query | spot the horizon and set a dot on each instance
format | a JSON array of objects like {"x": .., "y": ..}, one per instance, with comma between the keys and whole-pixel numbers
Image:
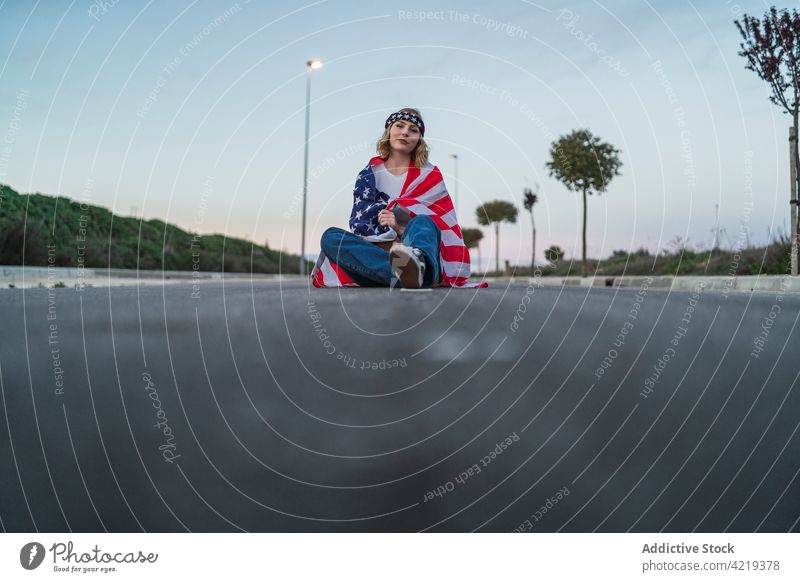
[{"x": 488, "y": 262}]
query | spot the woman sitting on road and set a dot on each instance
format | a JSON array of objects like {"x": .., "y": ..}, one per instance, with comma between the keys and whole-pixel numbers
[{"x": 403, "y": 227}]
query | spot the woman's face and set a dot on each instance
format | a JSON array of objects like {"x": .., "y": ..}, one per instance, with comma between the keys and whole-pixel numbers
[{"x": 403, "y": 136}]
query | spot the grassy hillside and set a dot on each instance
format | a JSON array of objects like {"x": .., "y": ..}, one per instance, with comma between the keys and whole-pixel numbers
[{"x": 63, "y": 232}]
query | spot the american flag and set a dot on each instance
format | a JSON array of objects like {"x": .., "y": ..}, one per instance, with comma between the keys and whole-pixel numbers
[
  {"x": 367, "y": 204},
  {"x": 424, "y": 192}
]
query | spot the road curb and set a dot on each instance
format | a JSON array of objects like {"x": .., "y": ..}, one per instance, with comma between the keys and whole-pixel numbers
[
  {"x": 746, "y": 283},
  {"x": 27, "y": 277},
  {"x": 19, "y": 277}
]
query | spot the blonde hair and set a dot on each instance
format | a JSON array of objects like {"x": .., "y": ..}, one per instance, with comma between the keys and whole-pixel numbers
[{"x": 421, "y": 151}]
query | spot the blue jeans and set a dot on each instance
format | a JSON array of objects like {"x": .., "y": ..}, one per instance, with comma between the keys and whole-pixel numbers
[{"x": 368, "y": 264}]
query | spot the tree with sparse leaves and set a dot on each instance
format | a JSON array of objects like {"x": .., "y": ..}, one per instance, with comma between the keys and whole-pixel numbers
[
  {"x": 583, "y": 163},
  {"x": 530, "y": 201},
  {"x": 772, "y": 49},
  {"x": 495, "y": 212},
  {"x": 472, "y": 239}
]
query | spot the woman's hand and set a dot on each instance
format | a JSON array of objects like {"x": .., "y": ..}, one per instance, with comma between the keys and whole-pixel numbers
[{"x": 387, "y": 218}]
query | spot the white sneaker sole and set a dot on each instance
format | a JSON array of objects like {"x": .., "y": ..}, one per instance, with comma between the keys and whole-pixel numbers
[{"x": 405, "y": 267}]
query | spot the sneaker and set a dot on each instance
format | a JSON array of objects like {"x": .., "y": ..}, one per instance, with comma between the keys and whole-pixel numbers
[{"x": 408, "y": 265}]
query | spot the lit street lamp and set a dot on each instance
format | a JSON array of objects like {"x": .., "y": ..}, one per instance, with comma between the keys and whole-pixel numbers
[{"x": 310, "y": 66}]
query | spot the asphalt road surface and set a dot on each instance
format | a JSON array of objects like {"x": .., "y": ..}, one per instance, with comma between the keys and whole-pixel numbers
[{"x": 279, "y": 407}]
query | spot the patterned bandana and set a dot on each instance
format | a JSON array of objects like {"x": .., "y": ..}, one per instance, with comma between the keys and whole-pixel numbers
[{"x": 406, "y": 116}]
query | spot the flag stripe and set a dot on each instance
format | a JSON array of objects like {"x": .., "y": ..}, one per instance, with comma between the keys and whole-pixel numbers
[
  {"x": 454, "y": 254},
  {"x": 344, "y": 278}
]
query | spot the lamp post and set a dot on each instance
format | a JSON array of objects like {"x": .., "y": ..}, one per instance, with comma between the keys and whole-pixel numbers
[
  {"x": 310, "y": 66},
  {"x": 455, "y": 159}
]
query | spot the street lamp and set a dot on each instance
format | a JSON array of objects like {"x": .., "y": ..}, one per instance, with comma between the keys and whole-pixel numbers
[
  {"x": 455, "y": 159},
  {"x": 310, "y": 66}
]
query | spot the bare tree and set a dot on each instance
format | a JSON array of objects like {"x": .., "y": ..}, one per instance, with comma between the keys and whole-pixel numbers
[{"x": 772, "y": 49}]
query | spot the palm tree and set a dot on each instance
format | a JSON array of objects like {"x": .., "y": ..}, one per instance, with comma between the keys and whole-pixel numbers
[
  {"x": 530, "y": 200},
  {"x": 472, "y": 239},
  {"x": 585, "y": 164},
  {"x": 495, "y": 212}
]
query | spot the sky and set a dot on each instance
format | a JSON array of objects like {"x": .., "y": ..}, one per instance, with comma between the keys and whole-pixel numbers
[{"x": 193, "y": 112}]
